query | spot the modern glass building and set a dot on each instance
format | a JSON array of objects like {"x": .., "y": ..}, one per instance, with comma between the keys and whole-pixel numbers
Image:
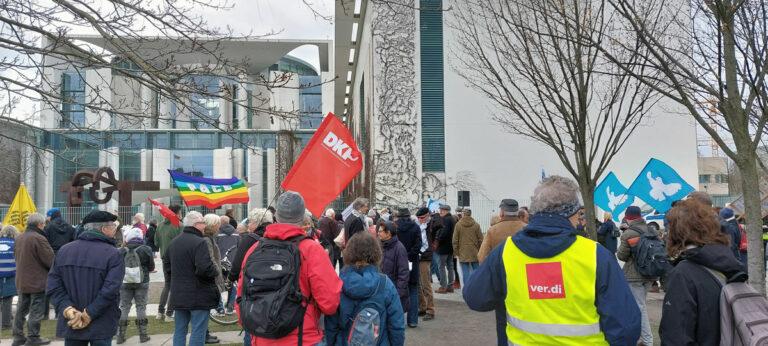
[{"x": 209, "y": 136}]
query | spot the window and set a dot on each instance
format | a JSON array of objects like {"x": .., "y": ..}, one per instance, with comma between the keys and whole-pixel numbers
[
  {"x": 310, "y": 102},
  {"x": 72, "y": 100},
  {"x": 194, "y": 140},
  {"x": 159, "y": 141},
  {"x": 235, "y": 106},
  {"x": 704, "y": 178},
  {"x": 721, "y": 178},
  {"x": 249, "y": 110},
  {"x": 198, "y": 163},
  {"x": 363, "y": 123},
  {"x": 128, "y": 140},
  {"x": 65, "y": 164},
  {"x": 130, "y": 165},
  {"x": 205, "y": 103},
  {"x": 432, "y": 105}
]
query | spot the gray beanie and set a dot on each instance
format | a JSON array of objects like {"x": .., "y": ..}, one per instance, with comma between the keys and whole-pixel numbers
[{"x": 290, "y": 208}]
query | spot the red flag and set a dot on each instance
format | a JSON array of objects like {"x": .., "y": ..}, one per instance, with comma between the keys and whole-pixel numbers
[
  {"x": 166, "y": 213},
  {"x": 326, "y": 166}
]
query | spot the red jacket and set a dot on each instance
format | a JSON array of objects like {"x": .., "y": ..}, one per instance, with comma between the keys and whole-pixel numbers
[{"x": 317, "y": 279}]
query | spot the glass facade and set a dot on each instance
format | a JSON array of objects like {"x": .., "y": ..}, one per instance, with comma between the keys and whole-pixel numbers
[
  {"x": 198, "y": 163},
  {"x": 72, "y": 99},
  {"x": 310, "y": 102},
  {"x": 65, "y": 164},
  {"x": 130, "y": 165},
  {"x": 205, "y": 104}
]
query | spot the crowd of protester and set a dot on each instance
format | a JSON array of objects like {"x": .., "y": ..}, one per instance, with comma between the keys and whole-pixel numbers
[{"x": 547, "y": 283}]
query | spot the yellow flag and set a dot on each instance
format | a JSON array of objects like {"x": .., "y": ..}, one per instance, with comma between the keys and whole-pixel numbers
[{"x": 20, "y": 209}]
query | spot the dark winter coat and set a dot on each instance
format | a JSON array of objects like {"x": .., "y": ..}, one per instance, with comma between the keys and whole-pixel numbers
[
  {"x": 87, "y": 274},
  {"x": 151, "y": 233},
  {"x": 546, "y": 236},
  {"x": 445, "y": 236},
  {"x": 467, "y": 238},
  {"x": 59, "y": 232},
  {"x": 34, "y": 258},
  {"x": 244, "y": 243},
  {"x": 352, "y": 225},
  {"x": 433, "y": 228},
  {"x": 226, "y": 239},
  {"x": 732, "y": 230},
  {"x": 361, "y": 284},
  {"x": 691, "y": 310},
  {"x": 409, "y": 234},
  {"x": 329, "y": 228},
  {"x": 193, "y": 274},
  {"x": 605, "y": 236},
  {"x": 145, "y": 257},
  {"x": 394, "y": 263}
]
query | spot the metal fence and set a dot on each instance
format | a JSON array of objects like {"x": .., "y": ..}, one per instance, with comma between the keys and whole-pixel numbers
[{"x": 74, "y": 215}]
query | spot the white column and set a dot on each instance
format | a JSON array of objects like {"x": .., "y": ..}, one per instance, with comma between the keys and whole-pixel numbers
[
  {"x": 222, "y": 163},
  {"x": 255, "y": 176},
  {"x": 44, "y": 181},
  {"x": 110, "y": 157},
  {"x": 161, "y": 161},
  {"x": 98, "y": 91},
  {"x": 271, "y": 175}
]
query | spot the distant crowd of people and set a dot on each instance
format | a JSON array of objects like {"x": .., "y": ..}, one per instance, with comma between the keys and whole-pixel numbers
[{"x": 362, "y": 279}]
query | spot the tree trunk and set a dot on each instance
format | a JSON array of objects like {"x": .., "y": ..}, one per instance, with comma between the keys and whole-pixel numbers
[
  {"x": 587, "y": 187},
  {"x": 749, "y": 183}
]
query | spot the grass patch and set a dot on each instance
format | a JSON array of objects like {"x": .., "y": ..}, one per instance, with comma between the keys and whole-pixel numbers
[{"x": 48, "y": 328}]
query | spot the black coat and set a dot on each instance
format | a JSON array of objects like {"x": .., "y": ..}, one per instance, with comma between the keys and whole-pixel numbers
[
  {"x": 59, "y": 233},
  {"x": 445, "y": 236},
  {"x": 193, "y": 274},
  {"x": 246, "y": 241},
  {"x": 732, "y": 230},
  {"x": 151, "y": 232},
  {"x": 409, "y": 234},
  {"x": 691, "y": 310},
  {"x": 145, "y": 257},
  {"x": 394, "y": 264},
  {"x": 352, "y": 225}
]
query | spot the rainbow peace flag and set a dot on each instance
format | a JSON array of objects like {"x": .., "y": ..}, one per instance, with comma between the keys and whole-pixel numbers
[{"x": 211, "y": 193}]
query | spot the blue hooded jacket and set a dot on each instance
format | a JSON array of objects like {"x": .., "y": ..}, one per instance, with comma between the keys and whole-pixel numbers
[
  {"x": 546, "y": 236},
  {"x": 362, "y": 285},
  {"x": 87, "y": 274}
]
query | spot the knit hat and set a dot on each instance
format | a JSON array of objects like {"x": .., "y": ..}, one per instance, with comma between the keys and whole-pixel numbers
[
  {"x": 130, "y": 233},
  {"x": 53, "y": 212},
  {"x": 726, "y": 213},
  {"x": 290, "y": 208},
  {"x": 632, "y": 213},
  {"x": 422, "y": 211}
]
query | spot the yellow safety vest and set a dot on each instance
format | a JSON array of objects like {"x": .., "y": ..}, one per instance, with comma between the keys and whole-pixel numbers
[{"x": 551, "y": 301}]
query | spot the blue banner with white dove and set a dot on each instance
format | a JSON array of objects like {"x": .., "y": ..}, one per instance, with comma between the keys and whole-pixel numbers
[
  {"x": 659, "y": 185},
  {"x": 611, "y": 196}
]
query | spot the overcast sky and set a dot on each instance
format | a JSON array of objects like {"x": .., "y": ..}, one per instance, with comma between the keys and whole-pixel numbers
[{"x": 289, "y": 19}]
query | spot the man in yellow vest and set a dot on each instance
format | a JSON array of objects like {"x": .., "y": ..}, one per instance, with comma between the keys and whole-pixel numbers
[{"x": 557, "y": 288}]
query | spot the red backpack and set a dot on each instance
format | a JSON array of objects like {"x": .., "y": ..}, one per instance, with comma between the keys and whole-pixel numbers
[{"x": 743, "y": 242}]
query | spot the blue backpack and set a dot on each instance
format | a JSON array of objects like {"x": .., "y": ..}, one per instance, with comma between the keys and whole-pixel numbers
[{"x": 366, "y": 323}]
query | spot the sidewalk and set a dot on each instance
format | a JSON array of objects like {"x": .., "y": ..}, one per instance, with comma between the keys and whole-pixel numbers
[{"x": 167, "y": 339}]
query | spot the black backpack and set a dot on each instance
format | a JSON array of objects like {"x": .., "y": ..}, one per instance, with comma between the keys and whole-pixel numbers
[
  {"x": 272, "y": 305},
  {"x": 650, "y": 255}
]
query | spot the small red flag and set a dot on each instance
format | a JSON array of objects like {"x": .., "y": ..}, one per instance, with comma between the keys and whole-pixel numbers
[
  {"x": 326, "y": 166},
  {"x": 166, "y": 213}
]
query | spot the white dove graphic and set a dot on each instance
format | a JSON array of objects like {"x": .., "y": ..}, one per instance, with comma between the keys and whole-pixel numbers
[
  {"x": 613, "y": 200},
  {"x": 659, "y": 190}
]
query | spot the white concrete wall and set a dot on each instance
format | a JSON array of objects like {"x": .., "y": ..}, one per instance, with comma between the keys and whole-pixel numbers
[
  {"x": 272, "y": 183},
  {"x": 161, "y": 161},
  {"x": 222, "y": 163},
  {"x": 255, "y": 176},
  {"x": 95, "y": 81}
]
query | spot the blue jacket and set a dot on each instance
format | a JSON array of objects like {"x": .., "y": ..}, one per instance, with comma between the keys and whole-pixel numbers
[
  {"x": 732, "y": 230},
  {"x": 546, "y": 236},
  {"x": 7, "y": 268},
  {"x": 87, "y": 274},
  {"x": 361, "y": 285},
  {"x": 606, "y": 231}
]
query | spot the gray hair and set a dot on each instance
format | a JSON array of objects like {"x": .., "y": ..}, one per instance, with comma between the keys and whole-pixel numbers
[
  {"x": 97, "y": 226},
  {"x": 224, "y": 219},
  {"x": 192, "y": 218},
  {"x": 557, "y": 195},
  {"x": 9, "y": 231},
  {"x": 139, "y": 217},
  {"x": 330, "y": 212},
  {"x": 260, "y": 216},
  {"x": 212, "y": 220},
  {"x": 359, "y": 203},
  {"x": 35, "y": 219}
]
